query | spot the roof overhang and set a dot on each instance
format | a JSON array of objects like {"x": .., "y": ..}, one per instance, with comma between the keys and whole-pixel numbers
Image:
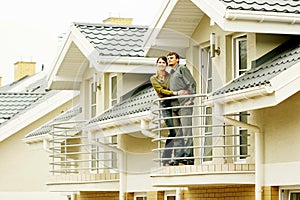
[
  {"x": 33, "y": 114},
  {"x": 249, "y": 21},
  {"x": 281, "y": 87},
  {"x": 137, "y": 125},
  {"x": 75, "y": 56},
  {"x": 78, "y": 54},
  {"x": 181, "y": 17},
  {"x": 172, "y": 28}
]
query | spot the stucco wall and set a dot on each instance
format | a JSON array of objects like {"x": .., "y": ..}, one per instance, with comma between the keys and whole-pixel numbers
[{"x": 280, "y": 128}]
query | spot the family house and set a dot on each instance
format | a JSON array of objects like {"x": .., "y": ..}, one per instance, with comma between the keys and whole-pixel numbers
[
  {"x": 24, "y": 107},
  {"x": 245, "y": 57},
  {"x": 105, "y": 153}
]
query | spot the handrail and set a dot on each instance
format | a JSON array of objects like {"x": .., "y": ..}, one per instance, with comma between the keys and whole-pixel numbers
[
  {"x": 211, "y": 138},
  {"x": 73, "y": 152}
]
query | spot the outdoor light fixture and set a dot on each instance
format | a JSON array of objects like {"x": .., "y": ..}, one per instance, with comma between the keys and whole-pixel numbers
[{"x": 213, "y": 49}]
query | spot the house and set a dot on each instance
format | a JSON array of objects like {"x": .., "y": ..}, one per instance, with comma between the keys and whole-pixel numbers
[
  {"x": 24, "y": 107},
  {"x": 244, "y": 56},
  {"x": 106, "y": 63}
]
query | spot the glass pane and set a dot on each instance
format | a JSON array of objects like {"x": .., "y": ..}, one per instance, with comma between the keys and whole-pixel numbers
[
  {"x": 171, "y": 198},
  {"x": 242, "y": 54},
  {"x": 243, "y": 117},
  {"x": 114, "y": 87},
  {"x": 243, "y": 141},
  {"x": 295, "y": 196},
  {"x": 93, "y": 111},
  {"x": 114, "y": 139}
]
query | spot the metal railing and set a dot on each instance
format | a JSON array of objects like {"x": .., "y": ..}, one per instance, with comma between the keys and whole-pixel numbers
[
  {"x": 211, "y": 139},
  {"x": 72, "y": 152}
]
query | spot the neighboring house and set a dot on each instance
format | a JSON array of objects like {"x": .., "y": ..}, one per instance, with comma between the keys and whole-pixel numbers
[
  {"x": 24, "y": 107},
  {"x": 110, "y": 151}
]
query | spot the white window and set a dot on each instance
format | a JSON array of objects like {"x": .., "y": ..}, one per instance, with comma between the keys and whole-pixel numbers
[
  {"x": 240, "y": 56},
  {"x": 113, "y": 91},
  {"x": 240, "y": 67},
  {"x": 140, "y": 196},
  {"x": 92, "y": 97},
  {"x": 170, "y": 195},
  {"x": 294, "y": 196},
  {"x": 207, "y": 87},
  {"x": 113, "y": 164}
]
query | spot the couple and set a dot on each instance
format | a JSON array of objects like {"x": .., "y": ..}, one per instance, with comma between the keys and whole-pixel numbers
[{"x": 178, "y": 82}]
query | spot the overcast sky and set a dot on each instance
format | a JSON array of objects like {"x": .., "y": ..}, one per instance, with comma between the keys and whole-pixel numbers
[{"x": 30, "y": 29}]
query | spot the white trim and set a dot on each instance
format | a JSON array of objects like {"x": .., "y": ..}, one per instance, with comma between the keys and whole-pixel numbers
[{"x": 22, "y": 120}]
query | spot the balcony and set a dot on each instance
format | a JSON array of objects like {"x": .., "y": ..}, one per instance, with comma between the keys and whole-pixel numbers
[
  {"x": 76, "y": 163},
  {"x": 223, "y": 150}
]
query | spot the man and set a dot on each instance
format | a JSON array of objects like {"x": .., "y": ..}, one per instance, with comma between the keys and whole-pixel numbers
[{"x": 182, "y": 79}]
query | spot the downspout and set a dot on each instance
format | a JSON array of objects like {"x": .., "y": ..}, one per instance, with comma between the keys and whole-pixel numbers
[{"x": 258, "y": 152}]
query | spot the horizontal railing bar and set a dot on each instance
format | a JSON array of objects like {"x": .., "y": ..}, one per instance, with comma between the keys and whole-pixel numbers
[{"x": 197, "y": 136}]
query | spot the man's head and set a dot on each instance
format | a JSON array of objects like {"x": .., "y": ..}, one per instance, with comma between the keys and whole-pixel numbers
[{"x": 173, "y": 59}]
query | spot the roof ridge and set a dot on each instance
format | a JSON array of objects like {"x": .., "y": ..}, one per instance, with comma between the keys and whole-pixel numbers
[{"x": 109, "y": 25}]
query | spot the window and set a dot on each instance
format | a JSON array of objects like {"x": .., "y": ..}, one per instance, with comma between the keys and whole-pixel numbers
[
  {"x": 243, "y": 137},
  {"x": 240, "y": 63},
  {"x": 92, "y": 99},
  {"x": 113, "y": 90},
  {"x": 207, "y": 80},
  {"x": 294, "y": 196},
  {"x": 140, "y": 196},
  {"x": 113, "y": 155},
  {"x": 170, "y": 195}
]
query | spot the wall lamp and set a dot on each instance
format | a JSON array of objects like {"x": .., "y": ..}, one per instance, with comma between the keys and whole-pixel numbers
[{"x": 213, "y": 49}]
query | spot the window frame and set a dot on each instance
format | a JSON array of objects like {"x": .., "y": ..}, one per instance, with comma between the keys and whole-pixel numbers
[
  {"x": 92, "y": 99},
  {"x": 238, "y": 71},
  {"x": 112, "y": 100}
]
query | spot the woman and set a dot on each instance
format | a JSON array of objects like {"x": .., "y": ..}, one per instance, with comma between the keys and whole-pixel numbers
[{"x": 160, "y": 82}]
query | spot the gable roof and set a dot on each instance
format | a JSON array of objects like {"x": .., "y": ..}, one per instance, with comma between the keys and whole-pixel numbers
[
  {"x": 279, "y": 6},
  {"x": 104, "y": 47},
  {"x": 269, "y": 84},
  {"x": 174, "y": 26},
  {"x": 114, "y": 40}
]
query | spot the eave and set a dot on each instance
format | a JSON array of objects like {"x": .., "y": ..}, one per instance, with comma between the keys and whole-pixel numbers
[
  {"x": 181, "y": 17},
  {"x": 137, "y": 125},
  {"x": 281, "y": 87},
  {"x": 33, "y": 114},
  {"x": 75, "y": 56},
  {"x": 172, "y": 28}
]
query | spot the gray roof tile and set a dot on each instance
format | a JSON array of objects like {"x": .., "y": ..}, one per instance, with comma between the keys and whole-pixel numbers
[
  {"x": 281, "y": 6},
  {"x": 138, "y": 103},
  {"x": 263, "y": 74},
  {"x": 13, "y": 103},
  {"x": 115, "y": 40},
  {"x": 45, "y": 129}
]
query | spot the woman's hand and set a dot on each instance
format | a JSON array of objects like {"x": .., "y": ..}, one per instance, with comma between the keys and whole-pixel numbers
[{"x": 183, "y": 92}]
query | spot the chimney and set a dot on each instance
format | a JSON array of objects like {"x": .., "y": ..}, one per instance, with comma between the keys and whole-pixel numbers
[
  {"x": 117, "y": 20},
  {"x": 23, "y": 69}
]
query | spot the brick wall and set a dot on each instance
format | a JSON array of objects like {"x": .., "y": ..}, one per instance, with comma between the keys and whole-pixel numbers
[{"x": 234, "y": 192}]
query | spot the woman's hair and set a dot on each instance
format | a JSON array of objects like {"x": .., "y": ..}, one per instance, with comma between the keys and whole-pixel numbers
[{"x": 164, "y": 58}]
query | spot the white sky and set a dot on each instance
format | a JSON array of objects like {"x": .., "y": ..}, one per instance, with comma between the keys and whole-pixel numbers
[{"x": 29, "y": 29}]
